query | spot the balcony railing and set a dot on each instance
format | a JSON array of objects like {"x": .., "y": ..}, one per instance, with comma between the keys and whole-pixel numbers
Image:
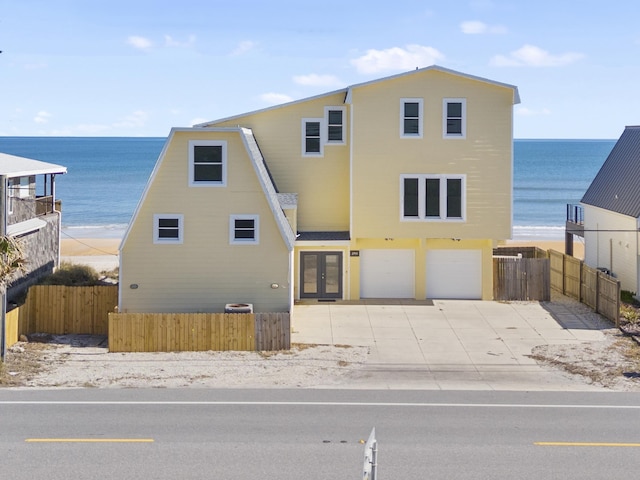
[
  {"x": 45, "y": 204},
  {"x": 575, "y": 214}
]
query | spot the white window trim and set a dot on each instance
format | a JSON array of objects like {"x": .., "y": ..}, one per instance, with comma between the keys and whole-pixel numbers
[
  {"x": 323, "y": 128},
  {"x": 207, "y": 143},
  {"x": 11, "y": 194},
  {"x": 420, "y": 103},
  {"x": 256, "y": 230},
  {"x": 445, "y": 102},
  {"x": 443, "y": 199},
  {"x": 156, "y": 230},
  {"x": 344, "y": 125}
]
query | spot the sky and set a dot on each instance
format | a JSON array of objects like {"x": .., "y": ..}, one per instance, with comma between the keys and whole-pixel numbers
[{"x": 140, "y": 67}]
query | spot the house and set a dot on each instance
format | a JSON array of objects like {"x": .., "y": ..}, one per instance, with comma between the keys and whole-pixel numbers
[
  {"x": 394, "y": 188},
  {"x": 30, "y": 212},
  {"x": 611, "y": 210}
]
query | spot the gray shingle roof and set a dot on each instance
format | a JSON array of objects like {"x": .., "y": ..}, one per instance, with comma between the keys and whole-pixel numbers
[
  {"x": 267, "y": 184},
  {"x": 323, "y": 236},
  {"x": 616, "y": 187}
]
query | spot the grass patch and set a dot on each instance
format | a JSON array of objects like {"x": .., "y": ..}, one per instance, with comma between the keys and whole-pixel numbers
[{"x": 629, "y": 298}]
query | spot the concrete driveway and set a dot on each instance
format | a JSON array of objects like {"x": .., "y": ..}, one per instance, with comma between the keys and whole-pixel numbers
[{"x": 451, "y": 344}]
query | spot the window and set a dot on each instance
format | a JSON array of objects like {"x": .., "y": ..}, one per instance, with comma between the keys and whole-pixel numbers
[
  {"x": 411, "y": 117},
  {"x": 18, "y": 188},
  {"x": 244, "y": 229},
  {"x": 454, "y": 118},
  {"x": 207, "y": 163},
  {"x": 433, "y": 197},
  {"x": 312, "y": 137},
  {"x": 168, "y": 228},
  {"x": 335, "y": 118}
]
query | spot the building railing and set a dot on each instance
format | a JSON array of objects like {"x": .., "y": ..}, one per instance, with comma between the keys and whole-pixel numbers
[
  {"x": 47, "y": 204},
  {"x": 575, "y": 214}
]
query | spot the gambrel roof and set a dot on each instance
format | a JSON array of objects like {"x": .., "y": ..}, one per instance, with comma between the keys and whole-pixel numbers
[{"x": 616, "y": 187}]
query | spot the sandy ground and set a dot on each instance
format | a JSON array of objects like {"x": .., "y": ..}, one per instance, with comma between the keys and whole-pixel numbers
[{"x": 84, "y": 361}]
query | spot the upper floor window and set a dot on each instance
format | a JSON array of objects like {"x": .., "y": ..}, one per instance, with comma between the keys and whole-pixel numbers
[
  {"x": 168, "y": 228},
  {"x": 312, "y": 137},
  {"x": 411, "y": 117},
  {"x": 335, "y": 118},
  {"x": 244, "y": 229},
  {"x": 433, "y": 197},
  {"x": 18, "y": 188},
  {"x": 454, "y": 122},
  {"x": 207, "y": 163}
]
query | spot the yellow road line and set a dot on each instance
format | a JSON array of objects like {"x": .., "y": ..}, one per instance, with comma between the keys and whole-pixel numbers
[
  {"x": 585, "y": 444},
  {"x": 89, "y": 440}
]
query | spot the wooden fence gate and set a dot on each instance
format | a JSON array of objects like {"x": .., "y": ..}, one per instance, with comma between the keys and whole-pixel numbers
[{"x": 524, "y": 279}]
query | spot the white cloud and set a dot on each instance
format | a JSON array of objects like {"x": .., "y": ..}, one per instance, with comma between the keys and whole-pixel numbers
[
  {"x": 170, "y": 42},
  {"x": 243, "y": 47},
  {"x": 42, "y": 117},
  {"x": 532, "y": 56},
  {"x": 140, "y": 43},
  {"x": 527, "y": 112},
  {"x": 315, "y": 80},
  {"x": 475, "y": 27},
  {"x": 275, "y": 98},
  {"x": 397, "y": 58},
  {"x": 134, "y": 120}
]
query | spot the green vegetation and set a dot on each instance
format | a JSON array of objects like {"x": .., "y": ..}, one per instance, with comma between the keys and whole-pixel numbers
[
  {"x": 628, "y": 297},
  {"x": 70, "y": 274}
]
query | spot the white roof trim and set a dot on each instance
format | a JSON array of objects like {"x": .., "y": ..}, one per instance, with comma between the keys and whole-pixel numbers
[
  {"x": 28, "y": 226},
  {"x": 13, "y": 166}
]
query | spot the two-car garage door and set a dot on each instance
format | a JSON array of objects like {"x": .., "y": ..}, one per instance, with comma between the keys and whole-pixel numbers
[{"x": 450, "y": 274}]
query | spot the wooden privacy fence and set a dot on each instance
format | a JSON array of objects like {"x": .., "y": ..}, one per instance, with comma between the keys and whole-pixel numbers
[
  {"x": 521, "y": 279},
  {"x": 173, "y": 332},
  {"x": 60, "y": 310},
  {"x": 12, "y": 326},
  {"x": 588, "y": 285}
]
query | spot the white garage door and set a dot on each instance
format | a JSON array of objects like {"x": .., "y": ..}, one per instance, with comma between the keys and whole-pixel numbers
[
  {"x": 454, "y": 274},
  {"x": 387, "y": 274}
]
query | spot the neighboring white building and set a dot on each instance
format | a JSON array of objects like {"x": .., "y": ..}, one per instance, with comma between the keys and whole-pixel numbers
[{"x": 612, "y": 212}]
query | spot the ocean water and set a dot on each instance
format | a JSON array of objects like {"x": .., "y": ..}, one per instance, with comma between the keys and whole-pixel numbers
[{"x": 106, "y": 177}]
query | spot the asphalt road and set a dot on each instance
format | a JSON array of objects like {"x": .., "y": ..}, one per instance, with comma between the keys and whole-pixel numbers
[{"x": 316, "y": 434}]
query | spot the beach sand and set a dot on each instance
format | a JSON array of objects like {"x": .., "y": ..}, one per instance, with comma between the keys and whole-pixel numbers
[
  {"x": 102, "y": 253},
  {"x": 99, "y": 253}
]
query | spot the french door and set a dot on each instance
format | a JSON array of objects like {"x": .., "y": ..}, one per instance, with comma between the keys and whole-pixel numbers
[{"x": 321, "y": 274}]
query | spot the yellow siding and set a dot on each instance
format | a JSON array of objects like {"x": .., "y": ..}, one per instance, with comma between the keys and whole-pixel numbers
[
  {"x": 353, "y": 187},
  {"x": 381, "y": 156},
  {"x": 322, "y": 184},
  {"x": 205, "y": 272},
  {"x": 420, "y": 248}
]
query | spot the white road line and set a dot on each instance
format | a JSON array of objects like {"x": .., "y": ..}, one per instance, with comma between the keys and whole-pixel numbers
[{"x": 321, "y": 404}]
